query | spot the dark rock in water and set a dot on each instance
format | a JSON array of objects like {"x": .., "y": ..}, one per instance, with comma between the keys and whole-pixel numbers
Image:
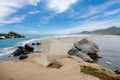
[
  {"x": 19, "y": 51},
  {"x": 20, "y": 47},
  {"x": 29, "y": 47},
  {"x": 16, "y": 53},
  {"x": 38, "y": 43},
  {"x": 86, "y": 46},
  {"x": 23, "y": 56},
  {"x": 117, "y": 72},
  {"x": 33, "y": 44}
]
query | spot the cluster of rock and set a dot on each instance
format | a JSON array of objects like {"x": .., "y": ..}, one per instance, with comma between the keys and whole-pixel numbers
[
  {"x": 11, "y": 35},
  {"x": 23, "y": 51},
  {"x": 85, "y": 50}
]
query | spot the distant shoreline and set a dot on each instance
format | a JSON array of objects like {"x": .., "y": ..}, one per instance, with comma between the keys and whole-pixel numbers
[{"x": 11, "y": 35}]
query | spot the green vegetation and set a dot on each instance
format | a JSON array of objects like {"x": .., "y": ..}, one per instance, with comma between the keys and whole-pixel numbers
[
  {"x": 98, "y": 73},
  {"x": 13, "y": 34},
  {"x": 88, "y": 69}
]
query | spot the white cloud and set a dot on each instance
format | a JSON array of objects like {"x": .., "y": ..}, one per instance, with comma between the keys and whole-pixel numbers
[
  {"x": 8, "y": 7},
  {"x": 116, "y": 11},
  {"x": 60, "y": 5},
  {"x": 105, "y": 14},
  {"x": 13, "y": 20},
  {"x": 92, "y": 25},
  {"x": 34, "y": 12},
  {"x": 91, "y": 10}
]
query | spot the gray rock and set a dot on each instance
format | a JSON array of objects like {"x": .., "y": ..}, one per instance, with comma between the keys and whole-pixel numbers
[
  {"x": 73, "y": 51},
  {"x": 86, "y": 46},
  {"x": 77, "y": 53},
  {"x": 84, "y": 49},
  {"x": 84, "y": 56}
]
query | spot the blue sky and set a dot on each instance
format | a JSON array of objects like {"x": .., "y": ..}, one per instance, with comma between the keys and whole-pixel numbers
[{"x": 58, "y": 16}]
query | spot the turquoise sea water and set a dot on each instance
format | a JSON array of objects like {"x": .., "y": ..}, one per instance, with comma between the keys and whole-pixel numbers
[{"x": 9, "y": 45}]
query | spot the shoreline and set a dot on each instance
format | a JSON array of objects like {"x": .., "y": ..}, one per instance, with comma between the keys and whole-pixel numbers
[
  {"x": 52, "y": 51},
  {"x": 9, "y": 57}
]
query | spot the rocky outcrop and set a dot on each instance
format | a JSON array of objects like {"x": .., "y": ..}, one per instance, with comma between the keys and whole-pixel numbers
[
  {"x": 20, "y": 50},
  {"x": 29, "y": 47},
  {"x": 11, "y": 35},
  {"x": 86, "y": 46},
  {"x": 77, "y": 53},
  {"x": 23, "y": 51},
  {"x": 84, "y": 49}
]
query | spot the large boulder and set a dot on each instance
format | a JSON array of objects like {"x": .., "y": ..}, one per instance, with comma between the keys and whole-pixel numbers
[
  {"x": 29, "y": 47},
  {"x": 18, "y": 51},
  {"x": 77, "y": 53},
  {"x": 84, "y": 49},
  {"x": 86, "y": 46}
]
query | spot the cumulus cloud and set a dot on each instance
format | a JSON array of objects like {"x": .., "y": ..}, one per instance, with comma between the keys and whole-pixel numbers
[
  {"x": 8, "y": 7},
  {"x": 60, "y": 5}
]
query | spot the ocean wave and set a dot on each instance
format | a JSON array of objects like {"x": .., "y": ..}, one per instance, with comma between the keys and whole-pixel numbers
[
  {"x": 22, "y": 43},
  {"x": 69, "y": 35},
  {"x": 7, "y": 50}
]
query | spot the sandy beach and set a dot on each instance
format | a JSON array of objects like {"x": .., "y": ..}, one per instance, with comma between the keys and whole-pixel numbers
[{"x": 52, "y": 63}]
